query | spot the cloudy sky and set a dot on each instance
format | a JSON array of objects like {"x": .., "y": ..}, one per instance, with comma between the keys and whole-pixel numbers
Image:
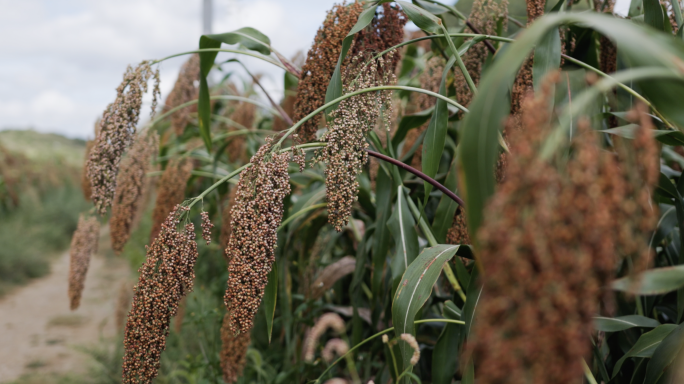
[{"x": 61, "y": 60}]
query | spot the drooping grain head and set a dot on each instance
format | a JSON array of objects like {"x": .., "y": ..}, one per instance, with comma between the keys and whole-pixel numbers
[
  {"x": 85, "y": 182},
  {"x": 458, "y": 232},
  {"x": 384, "y": 31},
  {"x": 117, "y": 127},
  {"x": 233, "y": 351},
  {"x": 327, "y": 321},
  {"x": 165, "y": 278},
  {"x": 334, "y": 347},
  {"x": 183, "y": 91},
  {"x": 320, "y": 65},
  {"x": 486, "y": 16},
  {"x": 206, "y": 227},
  {"x": 551, "y": 239},
  {"x": 224, "y": 237},
  {"x": 131, "y": 188},
  {"x": 83, "y": 244},
  {"x": 255, "y": 217},
  {"x": 170, "y": 192},
  {"x": 345, "y": 153},
  {"x": 411, "y": 340}
]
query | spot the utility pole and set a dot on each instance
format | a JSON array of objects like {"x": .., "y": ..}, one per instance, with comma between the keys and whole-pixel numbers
[{"x": 207, "y": 13}]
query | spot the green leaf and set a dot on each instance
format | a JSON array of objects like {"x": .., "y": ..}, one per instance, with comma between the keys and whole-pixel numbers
[
  {"x": 247, "y": 36},
  {"x": 415, "y": 288},
  {"x": 270, "y": 298},
  {"x": 204, "y": 103},
  {"x": 447, "y": 207},
  {"x": 381, "y": 238},
  {"x": 616, "y": 324},
  {"x": 469, "y": 374},
  {"x": 664, "y": 355},
  {"x": 653, "y": 14},
  {"x": 665, "y": 137},
  {"x": 640, "y": 47},
  {"x": 435, "y": 136},
  {"x": 655, "y": 281},
  {"x": 402, "y": 228},
  {"x": 409, "y": 122},
  {"x": 335, "y": 85},
  {"x": 647, "y": 343},
  {"x": 445, "y": 355},
  {"x": 547, "y": 57},
  {"x": 421, "y": 18},
  {"x": 451, "y": 311},
  {"x": 474, "y": 292}
]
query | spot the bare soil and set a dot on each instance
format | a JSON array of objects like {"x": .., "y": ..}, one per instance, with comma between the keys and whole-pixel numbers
[{"x": 40, "y": 336}]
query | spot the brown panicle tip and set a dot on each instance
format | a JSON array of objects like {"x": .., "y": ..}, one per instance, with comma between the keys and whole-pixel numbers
[
  {"x": 83, "y": 244},
  {"x": 166, "y": 276},
  {"x": 255, "y": 218}
]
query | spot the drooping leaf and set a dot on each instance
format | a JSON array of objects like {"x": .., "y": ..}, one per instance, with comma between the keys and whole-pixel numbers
[
  {"x": 421, "y": 18},
  {"x": 665, "y": 137},
  {"x": 647, "y": 343},
  {"x": 270, "y": 298},
  {"x": 435, "y": 136},
  {"x": 655, "y": 281},
  {"x": 248, "y": 37},
  {"x": 664, "y": 355},
  {"x": 616, "y": 324},
  {"x": 402, "y": 227},
  {"x": 414, "y": 289}
]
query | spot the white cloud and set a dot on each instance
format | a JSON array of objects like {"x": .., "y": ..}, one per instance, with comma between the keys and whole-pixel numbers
[{"x": 62, "y": 59}]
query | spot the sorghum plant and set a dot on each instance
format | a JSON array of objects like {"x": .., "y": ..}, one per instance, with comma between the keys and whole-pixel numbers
[{"x": 554, "y": 194}]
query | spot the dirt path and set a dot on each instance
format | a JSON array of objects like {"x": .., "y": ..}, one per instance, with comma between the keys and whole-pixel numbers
[{"x": 38, "y": 332}]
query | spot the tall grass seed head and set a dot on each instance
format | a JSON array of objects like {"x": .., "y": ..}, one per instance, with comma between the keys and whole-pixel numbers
[
  {"x": 233, "y": 351},
  {"x": 83, "y": 245},
  {"x": 327, "y": 321},
  {"x": 131, "y": 186},
  {"x": 354, "y": 118},
  {"x": 255, "y": 217},
  {"x": 184, "y": 90},
  {"x": 166, "y": 276},
  {"x": 117, "y": 127}
]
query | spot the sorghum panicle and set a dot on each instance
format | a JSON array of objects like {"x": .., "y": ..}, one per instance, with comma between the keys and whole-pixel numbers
[
  {"x": 486, "y": 16},
  {"x": 233, "y": 351},
  {"x": 183, "y": 91},
  {"x": 549, "y": 243},
  {"x": 170, "y": 191},
  {"x": 329, "y": 320},
  {"x": 320, "y": 65},
  {"x": 345, "y": 153},
  {"x": 206, "y": 227},
  {"x": 83, "y": 244},
  {"x": 117, "y": 127},
  {"x": 407, "y": 337},
  {"x": 255, "y": 217},
  {"x": 131, "y": 185},
  {"x": 224, "y": 237},
  {"x": 166, "y": 276},
  {"x": 85, "y": 181},
  {"x": 332, "y": 347},
  {"x": 384, "y": 31}
]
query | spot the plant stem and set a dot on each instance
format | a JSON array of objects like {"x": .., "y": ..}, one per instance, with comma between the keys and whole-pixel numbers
[
  {"x": 388, "y": 330},
  {"x": 420, "y": 174}
]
